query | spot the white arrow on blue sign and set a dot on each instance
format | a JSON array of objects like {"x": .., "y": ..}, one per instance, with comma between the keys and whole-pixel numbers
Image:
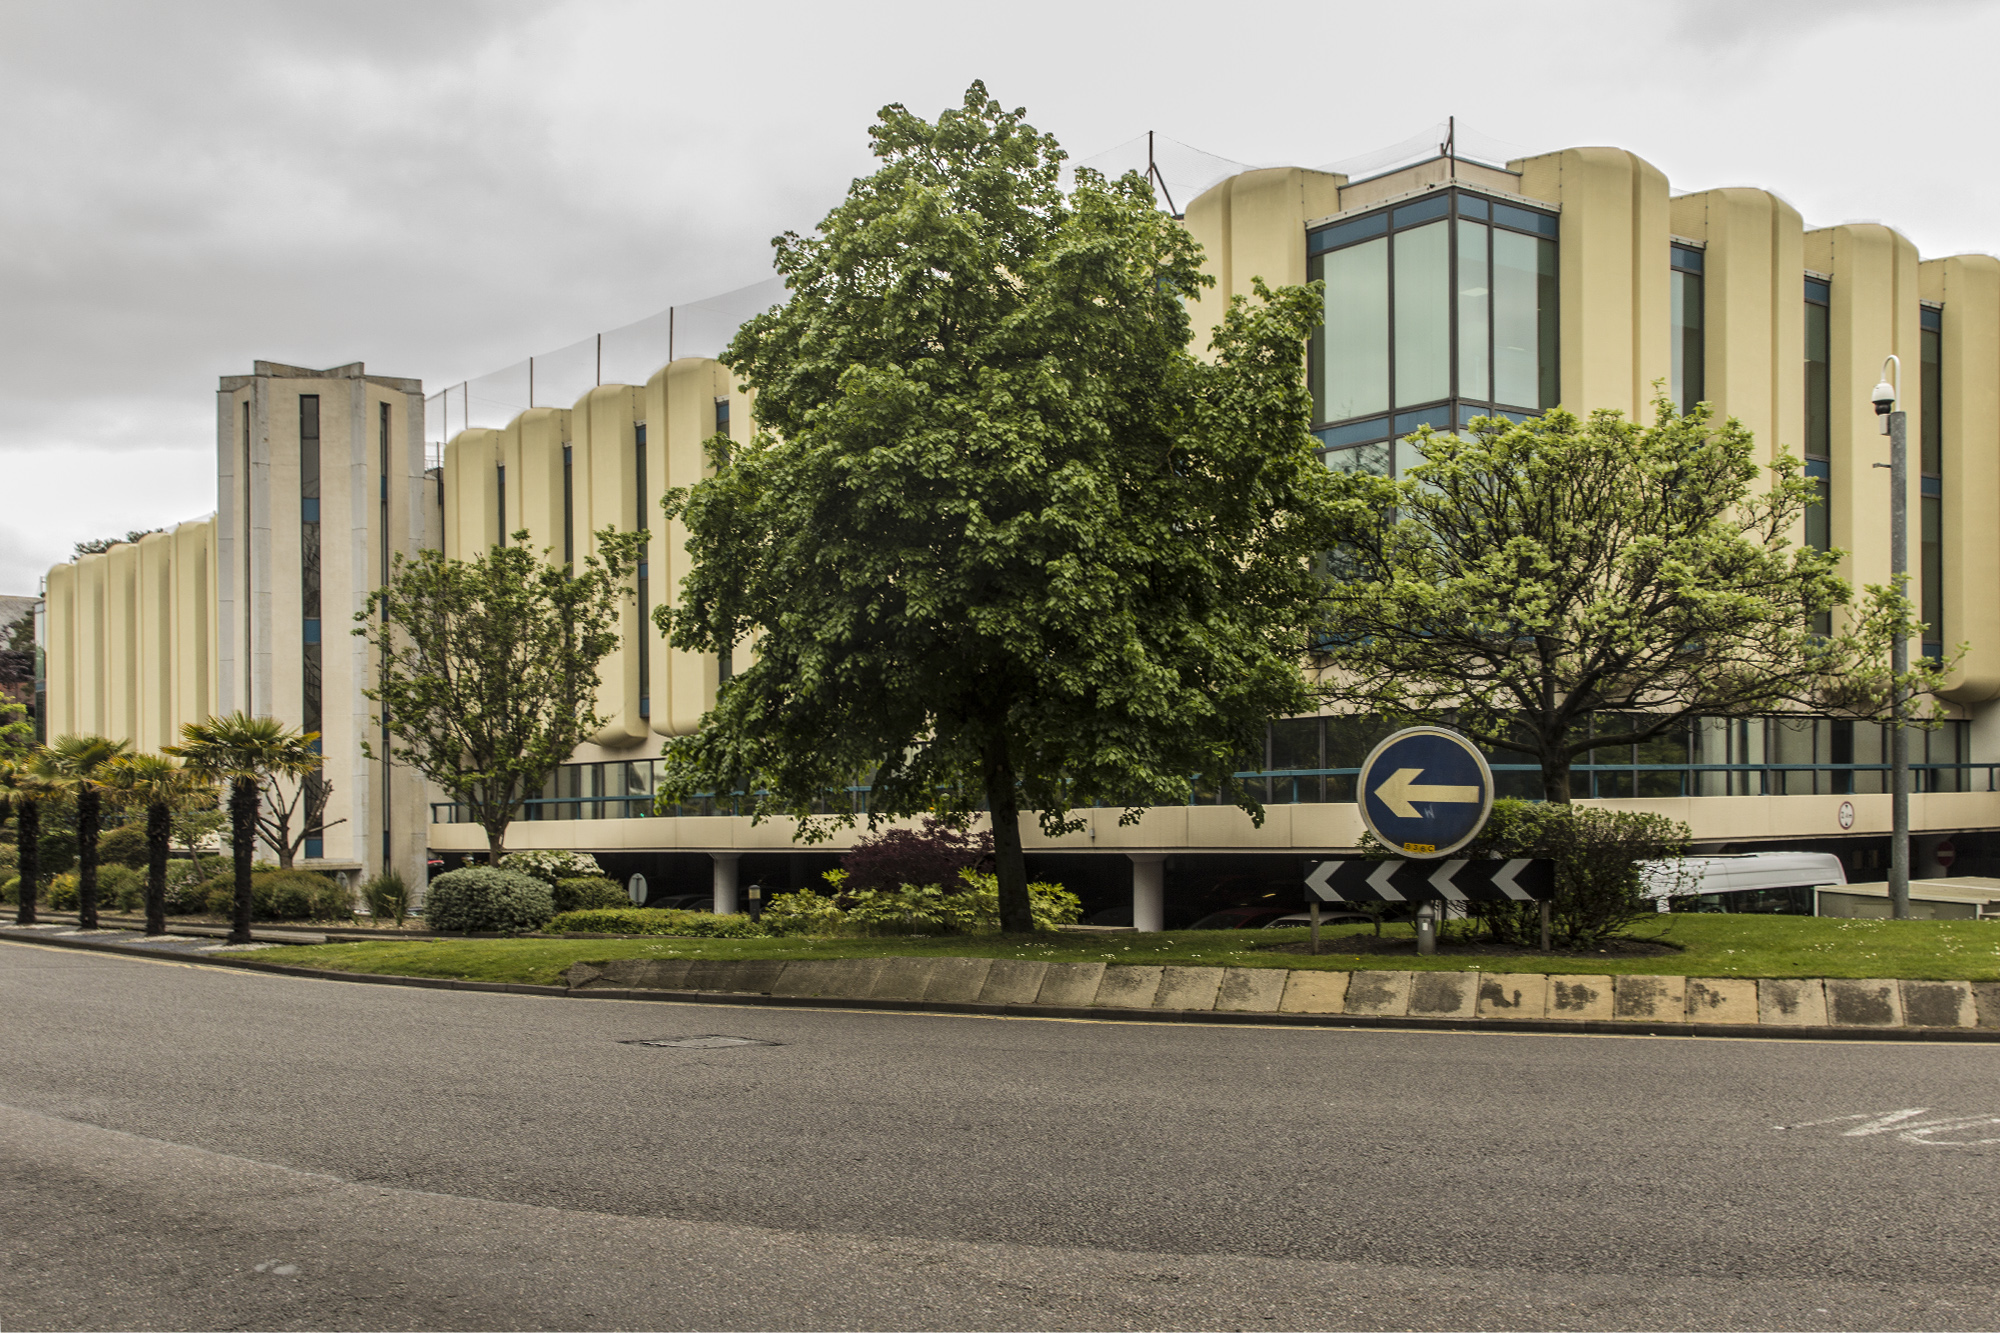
[{"x": 1425, "y": 791}]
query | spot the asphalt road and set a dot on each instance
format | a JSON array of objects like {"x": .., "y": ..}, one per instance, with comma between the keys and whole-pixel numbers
[{"x": 185, "y": 1146}]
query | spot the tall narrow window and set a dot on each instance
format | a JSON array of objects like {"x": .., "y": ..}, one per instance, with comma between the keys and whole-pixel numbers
[
  {"x": 500, "y": 488},
  {"x": 249, "y": 616},
  {"x": 1931, "y": 469},
  {"x": 724, "y": 662},
  {"x": 1819, "y": 423},
  {"x": 642, "y": 523},
  {"x": 1688, "y": 384},
  {"x": 569, "y": 508},
  {"x": 382, "y": 450},
  {"x": 311, "y": 682},
  {"x": 1437, "y": 310}
]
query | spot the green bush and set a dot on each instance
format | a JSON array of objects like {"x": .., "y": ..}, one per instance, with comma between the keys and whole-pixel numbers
[
  {"x": 1599, "y": 888},
  {"x": 122, "y": 887},
  {"x": 587, "y": 892},
  {"x": 124, "y": 846},
  {"x": 10, "y": 891},
  {"x": 10, "y": 860},
  {"x": 552, "y": 867},
  {"x": 913, "y": 908},
  {"x": 387, "y": 896},
  {"x": 654, "y": 921},
  {"x": 282, "y": 895},
  {"x": 61, "y": 895},
  {"x": 187, "y": 891},
  {"x": 480, "y": 898}
]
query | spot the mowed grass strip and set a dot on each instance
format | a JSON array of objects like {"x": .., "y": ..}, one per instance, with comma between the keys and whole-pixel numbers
[{"x": 1708, "y": 946}]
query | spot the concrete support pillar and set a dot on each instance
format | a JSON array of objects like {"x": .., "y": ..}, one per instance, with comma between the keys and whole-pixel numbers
[
  {"x": 1149, "y": 881},
  {"x": 725, "y": 881}
]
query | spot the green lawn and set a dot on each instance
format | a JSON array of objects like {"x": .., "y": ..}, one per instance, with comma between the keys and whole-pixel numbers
[{"x": 1711, "y": 946}]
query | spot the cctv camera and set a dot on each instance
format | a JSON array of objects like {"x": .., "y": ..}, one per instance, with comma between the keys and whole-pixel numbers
[{"x": 1885, "y": 399}]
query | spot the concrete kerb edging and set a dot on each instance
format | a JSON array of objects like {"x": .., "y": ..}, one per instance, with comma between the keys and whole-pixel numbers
[{"x": 1107, "y": 1013}]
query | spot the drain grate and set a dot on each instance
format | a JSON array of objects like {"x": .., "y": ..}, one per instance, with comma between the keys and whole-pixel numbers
[{"x": 709, "y": 1041}]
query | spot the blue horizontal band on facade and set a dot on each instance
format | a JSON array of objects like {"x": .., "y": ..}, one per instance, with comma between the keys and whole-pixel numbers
[
  {"x": 1522, "y": 219},
  {"x": 1340, "y": 233},
  {"x": 1354, "y": 432}
]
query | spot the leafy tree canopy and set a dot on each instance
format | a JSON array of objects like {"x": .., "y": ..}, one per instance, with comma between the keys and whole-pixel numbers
[
  {"x": 1526, "y": 577},
  {"x": 1000, "y": 536}
]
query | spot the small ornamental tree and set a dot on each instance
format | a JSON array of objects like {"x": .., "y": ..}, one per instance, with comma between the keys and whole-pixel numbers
[
  {"x": 1527, "y": 578},
  {"x": 933, "y": 855},
  {"x": 488, "y": 675},
  {"x": 245, "y": 753},
  {"x": 81, "y": 767},
  {"x": 160, "y": 787},
  {"x": 1001, "y": 542}
]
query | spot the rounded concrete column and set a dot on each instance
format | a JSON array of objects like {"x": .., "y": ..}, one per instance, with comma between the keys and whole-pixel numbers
[
  {"x": 1149, "y": 891},
  {"x": 725, "y": 881}
]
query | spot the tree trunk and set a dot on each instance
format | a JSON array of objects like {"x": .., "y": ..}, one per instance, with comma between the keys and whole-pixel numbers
[
  {"x": 28, "y": 827},
  {"x": 1555, "y": 780},
  {"x": 494, "y": 842},
  {"x": 243, "y": 837},
  {"x": 89, "y": 814},
  {"x": 159, "y": 828},
  {"x": 1009, "y": 866}
]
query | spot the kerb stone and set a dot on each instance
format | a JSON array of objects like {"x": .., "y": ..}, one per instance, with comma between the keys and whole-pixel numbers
[
  {"x": 1012, "y": 981},
  {"x": 1188, "y": 988},
  {"x": 1939, "y": 1004},
  {"x": 1129, "y": 987},
  {"x": 1073, "y": 984},
  {"x": 1870, "y": 1002},
  {"x": 1986, "y": 998},
  {"x": 1251, "y": 990},
  {"x": 635, "y": 974},
  {"x": 903, "y": 979},
  {"x": 1581, "y": 997},
  {"x": 753, "y": 976},
  {"x": 1796, "y": 1002},
  {"x": 1444, "y": 994},
  {"x": 1649, "y": 999},
  {"x": 1721, "y": 1000},
  {"x": 1314, "y": 992},
  {"x": 1513, "y": 995},
  {"x": 835, "y": 978},
  {"x": 1384, "y": 994},
  {"x": 957, "y": 980}
]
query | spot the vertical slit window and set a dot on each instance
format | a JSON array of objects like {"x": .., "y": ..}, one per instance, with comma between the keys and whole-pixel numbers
[
  {"x": 500, "y": 490},
  {"x": 1931, "y": 482},
  {"x": 569, "y": 508},
  {"x": 311, "y": 680},
  {"x": 1819, "y": 424},
  {"x": 642, "y": 523},
  {"x": 1688, "y": 385}
]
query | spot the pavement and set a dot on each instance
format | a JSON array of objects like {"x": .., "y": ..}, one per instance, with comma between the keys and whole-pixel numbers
[{"x": 186, "y": 1146}]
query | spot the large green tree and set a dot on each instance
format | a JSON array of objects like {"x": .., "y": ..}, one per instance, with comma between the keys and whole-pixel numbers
[
  {"x": 1566, "y": 584},
  {"x": 1001, "y": 539},
  {"x": 488, "y": 674}
]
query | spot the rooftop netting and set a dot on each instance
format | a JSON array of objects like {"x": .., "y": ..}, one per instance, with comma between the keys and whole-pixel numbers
[{"x": 631, "y": 354}]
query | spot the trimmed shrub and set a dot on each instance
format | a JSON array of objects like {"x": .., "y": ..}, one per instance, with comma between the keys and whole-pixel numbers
[
  {"x": 387, "y": 896},
  {"x": 10, "y": 892},
  {"x": 935, "y": 853},
  {"x": 10, "y": 860},
  {"x": 586, "y": 892},
  {"x": 654, "y": 921},
  {"x": 1599, "y": 855},
  {"x": 124, "y": 846},
  {"x": 913, "y": 908},
  {"x": 121, "y": 887},
  {"x": 282, "y": 895},
  {"x": 480, "y": 898},
  {"x": 551, "y": 867},
  {"x": 187, "y": 891},
  {"x": 62, "y": 894}
]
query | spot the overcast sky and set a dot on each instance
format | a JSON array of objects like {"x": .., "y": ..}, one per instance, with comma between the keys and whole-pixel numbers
[{"x": 440, "y": 187}]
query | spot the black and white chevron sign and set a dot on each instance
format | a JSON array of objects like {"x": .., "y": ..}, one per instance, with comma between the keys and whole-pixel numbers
[{"x": 1357, "y": 881}]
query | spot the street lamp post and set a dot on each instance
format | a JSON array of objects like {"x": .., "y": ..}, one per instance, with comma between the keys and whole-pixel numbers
[{"x": 1895, "y": 424}]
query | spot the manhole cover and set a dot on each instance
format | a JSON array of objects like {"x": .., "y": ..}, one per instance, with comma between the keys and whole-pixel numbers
[{"x": 708, "y": 1042}]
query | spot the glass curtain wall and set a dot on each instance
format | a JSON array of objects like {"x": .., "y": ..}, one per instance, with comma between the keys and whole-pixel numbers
[
  {"x": 1437, "y": 310},
  {"x": 1819, "y": 424},
  {"x": 1931, "y": 483},
  {"x": 1688, "y": 384}
]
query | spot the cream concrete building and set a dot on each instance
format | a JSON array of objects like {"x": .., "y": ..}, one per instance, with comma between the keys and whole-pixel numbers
[{"x": 1454, "y": 289}]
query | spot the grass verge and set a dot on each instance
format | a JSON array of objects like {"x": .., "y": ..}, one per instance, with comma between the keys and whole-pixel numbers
[{"x": 1709, "y": 946}]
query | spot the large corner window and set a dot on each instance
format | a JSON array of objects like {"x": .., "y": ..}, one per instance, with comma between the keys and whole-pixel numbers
[
  {"x": 1931, "y": 481},
  {"x": 1819, "y": 424},
  {"x": 1689, "y": 384},
  {"x": 1437, "y": 310}
]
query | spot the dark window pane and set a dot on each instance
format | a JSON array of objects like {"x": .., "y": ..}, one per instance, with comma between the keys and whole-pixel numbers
[
  {"x": 1354, "y": 432},
  {"x": 1686, "y": 257},
  {"x": 1423, "y": 210},
  {"x": 1931, "y": 596},
  {"x": 1932, "y": 403},
  {"x": 1362, "y": 458},
  {"x": 1542, "y": 224},
  {"x": 1346, "y": 233},
  {"x": 1688, "y": 387},
  {"x": 1819, "y": 416},
  {"x": 1471, "y": 206}
]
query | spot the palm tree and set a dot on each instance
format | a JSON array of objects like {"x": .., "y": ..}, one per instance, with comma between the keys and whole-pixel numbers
[
  {"x": 24, "y": 793},
  {"x": 243, "y": 751},
  {"x": 162, "y": 786},
  {"x": 80, "y": 767}
]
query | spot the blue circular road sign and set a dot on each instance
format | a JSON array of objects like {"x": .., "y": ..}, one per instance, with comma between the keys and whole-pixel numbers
[{"x": 1425, "y": 791}]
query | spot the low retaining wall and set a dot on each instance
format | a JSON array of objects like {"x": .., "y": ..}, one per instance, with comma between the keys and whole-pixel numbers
[{"x": 1457, "y": 996}]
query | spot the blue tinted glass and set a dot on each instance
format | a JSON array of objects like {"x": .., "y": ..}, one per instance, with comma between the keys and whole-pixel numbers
[
  {"x": 1509, "y": 216},
  {"x": 1341, "y": 233},
  {"x": 1423, "y": 210},
  {"x": 1354, "y": 432},
  {"x": 1471, "y": 206},
  {"x": 1819, "y": 468},
  {"x": 1436, "y": 417},
  {"x": 1933, "y": 486},
  {"x": 1931, "y": 319},
  {"x": 1687, "y": 258},
  {"x": 315, "y": 849},
  {"x": 312, "y": 631},
  {"x": 309, "y": 509},
  {"x": 1364, "y": 458},
  {"x": 1817, "y": 291}
]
